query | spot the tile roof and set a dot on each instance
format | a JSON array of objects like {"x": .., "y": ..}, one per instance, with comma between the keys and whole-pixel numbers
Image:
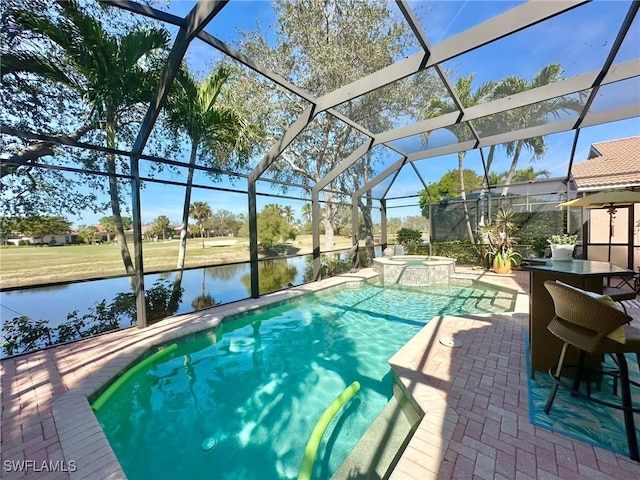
[{"x": 610, "y": 164}]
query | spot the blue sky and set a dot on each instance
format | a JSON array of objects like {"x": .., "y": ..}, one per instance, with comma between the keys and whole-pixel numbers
[{"x": 579, "y": 40}]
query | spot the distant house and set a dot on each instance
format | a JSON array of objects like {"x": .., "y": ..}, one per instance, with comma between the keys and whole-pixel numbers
[
  {"x": 129, "y": 233},
  {"x": 56, "y": 239},
  {"x": 101, "y": 234},
  {"x": 611, "y": 165}
]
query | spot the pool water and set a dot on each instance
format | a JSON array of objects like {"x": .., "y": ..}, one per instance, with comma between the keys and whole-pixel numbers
[{"x": 240, "y": 402}]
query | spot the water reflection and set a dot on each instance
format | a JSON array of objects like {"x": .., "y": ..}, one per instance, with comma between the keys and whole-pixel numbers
[
  {"x": 203, "y": 300},
  {"x": 203, "y": 288},
  {"x": 272, "y": 275}
]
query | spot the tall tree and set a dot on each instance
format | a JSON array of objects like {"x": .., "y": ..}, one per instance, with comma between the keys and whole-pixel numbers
[
  {"x": 528, "y": 174},
  {"x": 115, "y": 73},
  {"x": 273, "y": 226},
  {"x": 535, "y": 114},
  {"x": 288, "y": 214},
  {"x": 306, "y": 213},
  {"x": 468, "y": 97},
  {"x": 322, "y": 46},
  {"x": 39, "y": 227},
  {"x": 216, "y": 128},
  {"x": 200, "y": 212},
  {"x": 161, "y": 225},
  {"x": 449, "y": 186},
  {"x": 88, "y": 233}
]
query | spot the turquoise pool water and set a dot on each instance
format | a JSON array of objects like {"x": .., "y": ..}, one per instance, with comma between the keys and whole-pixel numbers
[{"x": 240, "y": 402}]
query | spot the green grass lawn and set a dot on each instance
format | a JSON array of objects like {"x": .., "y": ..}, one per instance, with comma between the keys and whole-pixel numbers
[{"x": 35, "y": 265}]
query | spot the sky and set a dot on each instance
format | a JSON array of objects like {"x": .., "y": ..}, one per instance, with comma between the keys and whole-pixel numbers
[{"x": 579, "y": 40}]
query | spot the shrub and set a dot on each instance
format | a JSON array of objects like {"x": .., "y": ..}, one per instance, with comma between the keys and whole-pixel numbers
[
  {"x": 23, "y": 334},
  {"x": 411, "y": 240},
  {"x": 409, "y": 236},
  {"x": 465, "y": 252}
]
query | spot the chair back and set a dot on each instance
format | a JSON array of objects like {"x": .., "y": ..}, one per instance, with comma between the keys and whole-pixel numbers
[{"x": 582, "y": 320}]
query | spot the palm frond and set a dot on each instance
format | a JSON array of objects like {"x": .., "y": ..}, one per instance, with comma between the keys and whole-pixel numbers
[{"x": 26, "y": 62}]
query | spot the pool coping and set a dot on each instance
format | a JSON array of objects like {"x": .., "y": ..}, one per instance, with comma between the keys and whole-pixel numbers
[
  {"x": 493, "y": 438},
  {"x": 81, "y": 436},
  {"x": 82, "y": 439},
  {"x": 425, "y": 452}
]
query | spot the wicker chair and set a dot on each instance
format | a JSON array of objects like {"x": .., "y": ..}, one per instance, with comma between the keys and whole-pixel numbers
[{"x": 584, "y": 322}]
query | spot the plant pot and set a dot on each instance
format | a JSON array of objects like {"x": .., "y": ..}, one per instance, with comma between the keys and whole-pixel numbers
[
  {"x": 501, "y": 269},
  {"x": 562, "y": 252}
]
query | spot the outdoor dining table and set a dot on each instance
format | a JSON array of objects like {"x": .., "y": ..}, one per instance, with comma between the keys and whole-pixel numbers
[{"x": 588, "y": 275}]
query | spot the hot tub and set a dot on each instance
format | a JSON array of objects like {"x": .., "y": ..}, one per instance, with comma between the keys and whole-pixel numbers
[{"x": 414, "y": 270}]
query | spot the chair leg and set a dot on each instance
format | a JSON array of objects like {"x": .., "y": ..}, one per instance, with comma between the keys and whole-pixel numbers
[
  {"x": 629, "y": 424},
  {"x": 579, "y": 372},
  {"x": 554, "y": 390}
]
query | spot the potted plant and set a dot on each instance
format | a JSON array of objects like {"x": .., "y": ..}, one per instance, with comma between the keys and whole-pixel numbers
[
  {"x": 500, "y": 236},
  {"x": 562, "y": 247}
]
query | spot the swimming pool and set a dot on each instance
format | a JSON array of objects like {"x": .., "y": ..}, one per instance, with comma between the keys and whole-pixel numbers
[{"x": 241, "y": 401}]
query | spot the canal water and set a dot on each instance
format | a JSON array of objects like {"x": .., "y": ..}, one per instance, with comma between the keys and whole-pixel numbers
[{"x": 202, "y": 287}]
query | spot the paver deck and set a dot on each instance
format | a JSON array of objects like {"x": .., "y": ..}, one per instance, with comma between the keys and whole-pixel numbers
[{"x": 476, "y": 422}]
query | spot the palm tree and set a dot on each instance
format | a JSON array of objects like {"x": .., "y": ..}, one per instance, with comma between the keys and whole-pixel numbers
[
  {"x": 203, "y": 300},
  {"x": 213, "y": 127},
  {"x": 536, "y": 114},
  {"x": 287, "y": 211},
  {"x": 529, "y": 174},
  {"x": 496, "y": 178},
  {"x": 161, "y": 225},
  {"x": 306, "y": 212},
  {"x": 108, "y": 71},
  {"x": 200, "y": 212},
  {"x": 468, "y": 98}
]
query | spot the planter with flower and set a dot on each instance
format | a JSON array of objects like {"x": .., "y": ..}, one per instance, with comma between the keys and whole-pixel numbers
[
  {"x": 562, "y": 247},
  {"x": 500, "y": 237}
]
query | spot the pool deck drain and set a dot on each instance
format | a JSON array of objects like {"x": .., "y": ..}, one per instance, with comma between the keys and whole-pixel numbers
[{"x": 474, "y": 399}]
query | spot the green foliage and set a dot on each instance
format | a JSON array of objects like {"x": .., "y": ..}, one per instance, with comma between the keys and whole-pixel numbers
[
  {"x": 161, "y": 227},
  {"x": 528, "y": 174},
  {"x": 208, "y": 114},
  {"x": 449, "y": 187},
  {"x": 109, "y": 224},
  {"x": 272, "y": 275},
  {"x": 563, "y": 239},
  {"x": 23, "y": 334},
  {"x": 355, "y": 38},
  {"x": 502, "y": 258},
  {"x": 39, "y": 227},
  {"x": 465, "y": 252},
  {"x": 224, "y": 222},
  {"x": 273, "y": 226},
  {"x": 87, "y": 234},
  {"x": 500, "y": 236},
  {"x": 89, "y": 71},
  {"x": 330, "y": 265},
  {"x": 411, "y": 240},
  {"x": 201, "y": 213},
  {"x": 538, "y": 244},
  {"x": 407, "y": 236}
]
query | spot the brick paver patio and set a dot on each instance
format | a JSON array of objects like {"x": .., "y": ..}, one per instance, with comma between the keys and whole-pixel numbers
[{"x": 476, "y": 422}]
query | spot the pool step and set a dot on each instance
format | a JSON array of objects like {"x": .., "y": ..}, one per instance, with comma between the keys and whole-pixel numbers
[{"x": 380, "y": 446}]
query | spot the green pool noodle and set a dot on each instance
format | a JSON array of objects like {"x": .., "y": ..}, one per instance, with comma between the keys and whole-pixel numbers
[
  {"x": 311, "y": 449},
  {"x": 113, "y": 388}
]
